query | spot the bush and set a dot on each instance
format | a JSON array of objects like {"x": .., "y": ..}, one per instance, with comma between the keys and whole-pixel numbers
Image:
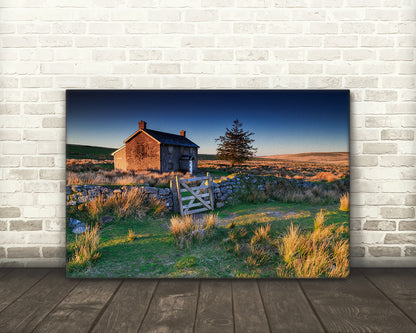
[
  {"x": 132, "y": 203},
  {"x": 86, "y": 249},
  {"x": 188, "y": 228},
  {"x": 320, "y": 253},
  {"x": 345, "y": 202}
]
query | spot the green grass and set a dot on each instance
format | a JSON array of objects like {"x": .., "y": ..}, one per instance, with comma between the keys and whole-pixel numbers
[
  {"x": 155, "y": 254},
  {"x": 89, "y": 152}
]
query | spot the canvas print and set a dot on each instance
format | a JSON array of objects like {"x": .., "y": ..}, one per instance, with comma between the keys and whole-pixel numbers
[{"x": 207, "y": 183}]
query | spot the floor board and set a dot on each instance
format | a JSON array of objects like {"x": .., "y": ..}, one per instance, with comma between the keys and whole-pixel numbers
[
  {"x": 17, "y": 282},
  {"x": 249, "y": 315},
  {"x": 215, "y": 308},
  {"x": 173, "y": 307},
  {"x": 354, "y": 304},
  {"x": 287, "y": 307},
  {"x": 78, "y": 311},
  {"x": 126, "y": 310},
  {"x": 399, "y": 286},
  {"x": 30, "y": 309},
  {"x": 371, "y": 300}
]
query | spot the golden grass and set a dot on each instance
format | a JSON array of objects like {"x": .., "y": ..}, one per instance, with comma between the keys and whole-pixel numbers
[
  {"x": 86, "y": 249},
  {"x": 320, "y": 253},
  {"x": 116, "y": 177},
  {"x": 132, "y": 203},
  {"x": 261, "y": 235},
  {"x": 345, "y": 202},
  {"x": 188, "y": 228},
  {"x": 132, "y": 235}
]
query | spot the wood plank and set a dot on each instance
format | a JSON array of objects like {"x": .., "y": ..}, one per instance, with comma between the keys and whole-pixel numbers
[
  {"x": 249, "y": 315},
  {"x": 188, "y": 206},
  {"x": 195, "y": 188},
  {"x": 204, "y": 195},
  {"x": 399, "y": 285},
  {"x": 77, "y": 312},
  {"x": 195, "y": 179},
  {"x": 211, "y": 194},
  {"x": 354, "y": 304},
  {"x": 215, "y": 308},
  {"x": 287, "y": 308},
  {"x": 198, "y": 197},
  {"x": 30, "y": 309},
  {"x": 4, "y": 271},
  {"x": 172, "y": 308},
  {"x": 195, "y": 211},
  {"x": 17, "y": 282},
  {"x": 128, "y": 307}
]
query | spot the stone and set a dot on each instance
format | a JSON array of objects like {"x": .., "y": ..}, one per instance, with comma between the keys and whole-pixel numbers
[
  {"x": 80, "y": 229},
  {"x": 106, "y": 219},
  {"x": 220, "y": 204},
  {"x": 73, "y": 223},
  {"x": 164, "y": 191}
]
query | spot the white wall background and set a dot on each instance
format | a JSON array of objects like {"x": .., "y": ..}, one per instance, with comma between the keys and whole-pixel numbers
[{"x": 49, "y": 46}]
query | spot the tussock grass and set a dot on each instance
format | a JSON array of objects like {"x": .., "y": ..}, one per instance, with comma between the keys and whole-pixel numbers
[
  {"x": 345, "y": 202},
  {"x": 132, "y": 203},
  {"x": 86, "y": 249},
  {"x": 116, "y": 177},
  {"x": 320, "y": 253},
  {"x": 132, "y": 235},
  {"x": 188, "y": 228}
]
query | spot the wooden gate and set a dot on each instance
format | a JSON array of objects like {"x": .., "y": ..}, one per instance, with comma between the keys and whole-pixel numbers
[{"x": 194, "y": 195}]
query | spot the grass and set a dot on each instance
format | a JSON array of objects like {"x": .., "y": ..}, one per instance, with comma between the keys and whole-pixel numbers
[
  {"x": 345, "y": 202},
  {"x": 89, "y": 152},
  {"x": 85, "y": 250},
  {"x": 253, "y": 252}
]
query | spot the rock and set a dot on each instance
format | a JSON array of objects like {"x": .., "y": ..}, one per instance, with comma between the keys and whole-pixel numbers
[
  {"x": 117, "y": 192},
  {"x": 71, "y": 203},
  {"x": 150, "y": 190},
  {"x": 74, "y": 223},
  {"x": 68, "y": 190},
  {"x": 80, "y": 229},
  {"x": 164, "y": 191},
  {"x": 106, "y": 219},
  {"x": 220, "y": 204}
]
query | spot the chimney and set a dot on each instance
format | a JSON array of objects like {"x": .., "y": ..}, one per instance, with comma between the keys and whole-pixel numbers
[
  {"x": 183, "y": 133},
  {"x": 142, "y": 125}
]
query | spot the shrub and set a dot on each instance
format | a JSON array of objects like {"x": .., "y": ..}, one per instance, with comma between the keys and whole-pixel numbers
[
  {"x": 132, "y": 203},
  {"x": 345, "y": 202},
  {"x": 320, "y": 253},
  {"x": 186, "y": 229},
  {"x": 86, "y": 249}
]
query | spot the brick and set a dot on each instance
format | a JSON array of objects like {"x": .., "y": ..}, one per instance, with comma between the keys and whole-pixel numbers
[
  {"x": 355, "y": 225},
  {"x": 163, "y": 68},
  {"x": 39, "y": 109},
  {"x": 341, "y": 41},
  {"x": 400, "y": 238},
  {"x": 23, "y": 252},
  {"x": 217, "y": 55},
  {"x": 305, "y": 68},
  {"x": 359, "y": 54},
  {"x": 252, "y": 55},
  {"x": 195, "y": 15},
  {"x": 379, "y": 225},
  {"x": 52, "y": 174},
  {"x": 3, "y": 225},
  {"x": 357, "y": 251},
  {"x": 379, "y": 148},
  {"x": 2, "y": 253},
  {"x": 393, "y": 134},
  {"x": 326, "y": 54},
  {"x": 410, "y": 251},
  {"x": 30, "y": 225},
  {"x": 10, "y": 135},
  {"x": 384, "y": 251},
  {"x": 324, "y": 82},
  {"x": 39, "y": 135},
  {"x": 361, "y": 82},
  {"x": 164, "y": 15},
  {"x": 9, "y": 212},
  {"x": 364, "y": 161},
  {"x": 410, "y": 199},
  {"x": 54, "y": 252},
  {"x": 397, "y": 161},
  {"x": 198, "y": 41},
  {"x": 144, "y": 55},
  {"x": 397, "y": 213},
  {"x": 407, "y": 225},
  {"x": 22, "y": 174}
]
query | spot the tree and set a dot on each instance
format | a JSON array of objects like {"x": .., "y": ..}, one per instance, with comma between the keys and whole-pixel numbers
[{"x": 236, "y": 145}]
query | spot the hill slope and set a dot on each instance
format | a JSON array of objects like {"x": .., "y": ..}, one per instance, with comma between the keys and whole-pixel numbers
[
  {"x": 81, "y": 152},
  {"x": 336, "y": 157}
]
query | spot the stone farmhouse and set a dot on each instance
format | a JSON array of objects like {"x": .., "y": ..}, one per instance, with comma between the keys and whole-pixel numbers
[{"x": 152, "y": 150}]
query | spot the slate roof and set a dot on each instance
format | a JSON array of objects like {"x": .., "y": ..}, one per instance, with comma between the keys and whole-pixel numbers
[{"x": 166, "y": 138}]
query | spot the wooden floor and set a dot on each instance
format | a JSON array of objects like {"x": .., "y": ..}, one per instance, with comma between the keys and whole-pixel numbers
[{"x": 371, "y": 300}]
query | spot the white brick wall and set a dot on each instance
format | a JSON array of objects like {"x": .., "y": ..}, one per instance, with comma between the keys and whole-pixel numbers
[{"x": 366, "y": 46}]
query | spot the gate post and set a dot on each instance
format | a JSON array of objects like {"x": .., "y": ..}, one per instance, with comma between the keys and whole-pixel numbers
[
  {"x": 210, "y": 190},
  {"x": 175, "y": 198}
]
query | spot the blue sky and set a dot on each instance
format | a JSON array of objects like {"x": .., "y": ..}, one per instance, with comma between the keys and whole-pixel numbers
[{"x": 284, "y": 121}]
